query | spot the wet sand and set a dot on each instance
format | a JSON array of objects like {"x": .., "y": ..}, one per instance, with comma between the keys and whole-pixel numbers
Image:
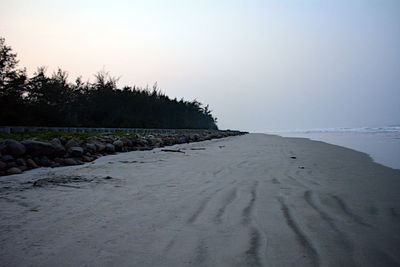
[{"x": 253, "y": 200}]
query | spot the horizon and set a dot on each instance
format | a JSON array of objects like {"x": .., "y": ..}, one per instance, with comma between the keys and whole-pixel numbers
[{"x": 260, "y": 66}]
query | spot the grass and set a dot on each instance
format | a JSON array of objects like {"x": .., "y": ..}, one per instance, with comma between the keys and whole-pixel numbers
[{"x": 46, "y": 135}]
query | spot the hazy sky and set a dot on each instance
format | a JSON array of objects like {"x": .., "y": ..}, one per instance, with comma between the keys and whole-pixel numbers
[{"x": 261, "y": 65}]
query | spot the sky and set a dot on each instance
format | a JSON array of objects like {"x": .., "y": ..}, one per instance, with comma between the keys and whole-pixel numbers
[{"x": 260, "y": 65}]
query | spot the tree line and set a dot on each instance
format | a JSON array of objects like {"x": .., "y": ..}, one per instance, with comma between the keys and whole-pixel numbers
[{"x": 51, "y": 100}]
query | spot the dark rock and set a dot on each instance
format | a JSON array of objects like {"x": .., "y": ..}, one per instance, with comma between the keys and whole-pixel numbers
[
  {"x": 75, "y": 151},
  {"x": 100, "y": 147},
  {"x": 58, "y": 147},
  {"x": 11, "y": 164},
  {"x": 118, "y": 145},
  {"x": 63, "y": 140},
  {"x": 110, "y": 148},
  {"x": 3, "y": 166},
  {"x": 13, "y": 147},
  {"x": 69, "y": 162},
  {"x": 91, "y": 147},
  {"x": 78, "y": 161},
  {"x": 3, "y": 146},
  {"x": 13, "y": 170},
  {"x": 38, "y": 148},
  {"x": 21, "y": 162},
  {"x": 127, "y": 142},
  {"x": 23, "y": 168},
  {"x": 7, "y": 158},
  {"x": 45, "y": 161},
  {"x": 31, "y": 163},
  {"x": 71, "y": 143},
  {"x": 58, "y": 160},
  {"x": 86, "y": 158}
]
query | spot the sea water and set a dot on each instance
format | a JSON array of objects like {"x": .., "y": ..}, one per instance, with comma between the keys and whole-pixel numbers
[{"x": 381, "y": 143}]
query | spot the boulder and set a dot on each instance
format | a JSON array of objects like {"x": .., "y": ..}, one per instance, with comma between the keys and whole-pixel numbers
[
  {"x": 118, "y": 145},
  {"x": 45, "y": 161},
  {"x": 38, "y": 148},
  {"x": 13, "y": 170},
  {"x": 63, "y": 140},
  {"x": 71, "y": 143},
  {"x": 110, "y": 148},
  {"x": 13, "y": 147},
  {"x": 2, "y": 166},
  {"x": 11, "y": 164},
  {"x": 7, "y": 158},
  {"x": 31, "y": 163},
  {"x": 3, "y": 146},
  {"x": 21, "y": 162},
  {"x": 69, "y": 162},
  {"x": 127, "y": 142},
  {"x": 91, "y": 147},
  {"x": 23, "y": 168},
  {"x": 58, "y": 147},
  {"x": 75, "y": 151},
  {"x": 86, "y": 158}
]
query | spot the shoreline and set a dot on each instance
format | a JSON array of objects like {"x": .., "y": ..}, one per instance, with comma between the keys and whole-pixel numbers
[
  {"x": 381, "y": 146},
  {"x": 241, "y": 200}
]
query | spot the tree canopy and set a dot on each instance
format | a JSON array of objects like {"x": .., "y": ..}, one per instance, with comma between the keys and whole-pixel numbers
[{"x": 51, "y": 100}]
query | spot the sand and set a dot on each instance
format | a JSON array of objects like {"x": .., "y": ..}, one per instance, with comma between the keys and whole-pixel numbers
[{"x": 237, "y": 201}]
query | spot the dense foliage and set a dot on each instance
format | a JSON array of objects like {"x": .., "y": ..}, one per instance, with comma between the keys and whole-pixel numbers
[{"x": 44, "y": 100}]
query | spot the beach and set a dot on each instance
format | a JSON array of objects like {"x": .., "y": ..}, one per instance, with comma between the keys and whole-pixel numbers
[{"x": 251, "y": 200}]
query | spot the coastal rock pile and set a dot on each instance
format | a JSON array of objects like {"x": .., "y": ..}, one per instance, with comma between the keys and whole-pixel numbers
[{"x": 16, "y": 157}]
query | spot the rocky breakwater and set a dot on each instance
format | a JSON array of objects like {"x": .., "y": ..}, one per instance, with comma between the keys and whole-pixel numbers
[{"x": 17, "y": 157}]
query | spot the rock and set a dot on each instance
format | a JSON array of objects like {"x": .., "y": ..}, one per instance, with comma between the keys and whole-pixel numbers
[
  {"x": 11, "y": 164},
  {"x": 55, "y": 164},
  {"x": 127, "y": 142},
  {"x": 38, "y": 148},
  {"x": 75, "y": 151},
  {"x": 59, "y": 160},
  {"x": 63, "y": 140},
  {"x": 31, "y": 163},
  {"x": 2, "y": 166},
  {"x": 21, "y": 162},
  {"x": 110, "y": 148},
  {"x": 45, "y": 161},
  {"x": 69, "y": 162},
  {"x": 58, "y": 147},
  {"x": 13, "y": 170},
  {"x": 100, "y": 147},
  {"x": 14, "y": 148},
  {"x": 3, "y": 146},
  {"x": 91, "y": 147},
  {"x": 78, "y": 161},
  {"x": 7, "y": 158},
  {"x": 23, "y": 168},
  {"x": 71, "y": 143},
  {"x": 118, "y": 145},
  {"x": 86, "y": 158}
]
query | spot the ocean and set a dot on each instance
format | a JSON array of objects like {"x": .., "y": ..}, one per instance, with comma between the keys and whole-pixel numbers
[{"x": 381, "y": 143}]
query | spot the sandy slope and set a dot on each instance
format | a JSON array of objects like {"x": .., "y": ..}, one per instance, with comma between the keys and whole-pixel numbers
[{"x": 240, "y": 201}]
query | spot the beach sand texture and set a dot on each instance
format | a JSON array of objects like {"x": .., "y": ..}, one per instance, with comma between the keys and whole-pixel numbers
[{"x": 237, "y": 201}]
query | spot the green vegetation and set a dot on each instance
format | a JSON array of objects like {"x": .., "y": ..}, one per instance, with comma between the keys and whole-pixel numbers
[
  {"x": 44, "y": 100},
  {"x": 45, "y": 135}
]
